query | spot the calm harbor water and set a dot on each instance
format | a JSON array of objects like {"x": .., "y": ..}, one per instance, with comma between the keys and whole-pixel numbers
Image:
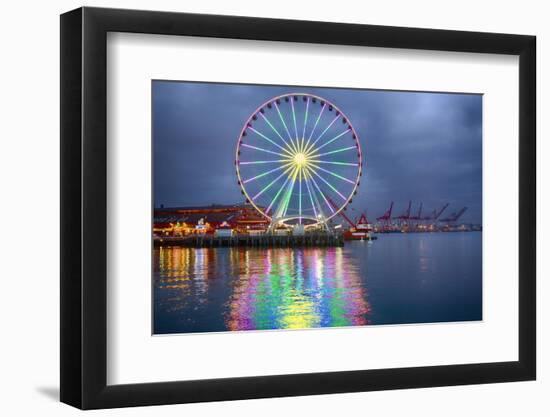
[{"x": 399, "y": 278}]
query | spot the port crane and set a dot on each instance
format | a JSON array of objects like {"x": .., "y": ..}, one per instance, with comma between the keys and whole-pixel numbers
[
  {"x": 440, "y": 212},
  {"x": 407, "y": 215},
  {"x": 418, "y": 215},
  {"x": 430, "y": 216},
  {"x": 436, "y": 213},
  {"x": 455, "y": 216},
  {"x": 386, "y": 217},
  {"x": 344, "y": 216}
]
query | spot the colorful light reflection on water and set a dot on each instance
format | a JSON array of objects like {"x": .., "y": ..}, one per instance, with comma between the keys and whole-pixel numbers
[
  {"x": 411, "y": 278},
  {"x": 277, "y": 288}
]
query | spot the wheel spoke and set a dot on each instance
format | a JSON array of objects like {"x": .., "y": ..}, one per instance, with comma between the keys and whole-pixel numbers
[
  {"x": 332, "y": 187},
  {"x": 294, "y": 148},
  {"x": 315, "y": 125},
  {"x": 333, "y": 139},
  {"x": 264, "y": 150},
  {"x": 333, "y": 152},
  {"x": 283, "y": 202},
  {"x": 318, "y": 161},
  {"x": 294, "y": 118},
  {"x": 269, "y": 140},
  {"x": 321, "y": 135},
  {"x": 277, "y": 195},
  {"x": 268, "y": 186},
  {"x": 300, "y": 197},
  {"x": 334, "y": 174},
  {"x": 317, "y": 121},
  {"x": 320, "y": 192},
  {"x": 305, "y": 124},
  {"x": 265, "y": 173},
  {"x": 310, "y": 195},
  {"x": 275, "y": 130},
  {"x": 262, "y": 162},
  {"x": 288, "y": 195}
]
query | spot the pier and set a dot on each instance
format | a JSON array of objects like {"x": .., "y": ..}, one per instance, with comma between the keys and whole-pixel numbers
[{"x": 282, "y": 241}]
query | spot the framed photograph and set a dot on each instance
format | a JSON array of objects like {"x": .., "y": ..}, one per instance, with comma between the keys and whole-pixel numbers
[{"x": 257, "y": 208}]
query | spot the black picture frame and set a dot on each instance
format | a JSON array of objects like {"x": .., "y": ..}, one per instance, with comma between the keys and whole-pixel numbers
[{"x": 84, "y": 207}]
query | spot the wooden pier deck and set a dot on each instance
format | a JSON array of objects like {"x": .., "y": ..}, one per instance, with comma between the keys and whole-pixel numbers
[{"x": 275, "y": 241}]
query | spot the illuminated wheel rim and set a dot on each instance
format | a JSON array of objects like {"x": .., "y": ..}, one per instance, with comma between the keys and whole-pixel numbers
[{"x": 298, "y": 159}]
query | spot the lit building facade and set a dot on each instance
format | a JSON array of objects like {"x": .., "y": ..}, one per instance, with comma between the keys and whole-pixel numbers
[{"x": 184, "y": 221}]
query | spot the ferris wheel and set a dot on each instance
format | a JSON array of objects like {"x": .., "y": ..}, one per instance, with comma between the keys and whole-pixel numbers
[{"x": 298, "y": 159}]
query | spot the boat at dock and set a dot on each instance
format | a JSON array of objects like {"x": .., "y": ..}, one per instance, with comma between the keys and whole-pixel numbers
[{"x": 361, "y": 230}]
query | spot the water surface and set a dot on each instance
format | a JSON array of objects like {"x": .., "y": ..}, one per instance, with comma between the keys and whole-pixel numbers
[{"x": 400, "y": 278}]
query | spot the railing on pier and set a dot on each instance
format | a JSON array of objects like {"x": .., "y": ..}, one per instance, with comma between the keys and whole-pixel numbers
[{"x": 211, "y": 241}]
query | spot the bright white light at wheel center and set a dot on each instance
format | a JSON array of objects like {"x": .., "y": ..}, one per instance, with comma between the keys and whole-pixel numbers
[{"x": 300, "y": 159}]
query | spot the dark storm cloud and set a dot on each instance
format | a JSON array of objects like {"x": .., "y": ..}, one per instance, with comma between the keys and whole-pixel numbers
[{"x": 425, "y": 147}]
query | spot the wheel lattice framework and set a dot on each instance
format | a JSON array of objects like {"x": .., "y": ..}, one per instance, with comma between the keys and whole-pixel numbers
[{"x": 298, "y": 159}]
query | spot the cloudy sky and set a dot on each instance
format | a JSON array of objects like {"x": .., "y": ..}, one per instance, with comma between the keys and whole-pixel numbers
[{"x": 424, "y": 147}]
